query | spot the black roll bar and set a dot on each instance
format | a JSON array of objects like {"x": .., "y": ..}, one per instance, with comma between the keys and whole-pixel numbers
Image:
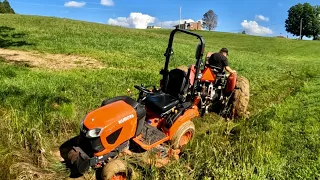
[{"x": 199, "y": 56}]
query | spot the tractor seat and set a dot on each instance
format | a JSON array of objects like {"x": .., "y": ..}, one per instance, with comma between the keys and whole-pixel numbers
[
  {"x": 160, "y": 103},
  {"x": 215, "y": 69}
]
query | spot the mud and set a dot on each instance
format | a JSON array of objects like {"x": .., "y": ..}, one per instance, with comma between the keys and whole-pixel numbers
[{"x": 35, "y": 59}]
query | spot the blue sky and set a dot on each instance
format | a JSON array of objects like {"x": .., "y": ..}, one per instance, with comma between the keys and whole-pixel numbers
[{"x": 258, "y": 17}]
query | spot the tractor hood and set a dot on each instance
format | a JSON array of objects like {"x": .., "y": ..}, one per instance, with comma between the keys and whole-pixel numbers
[{"x": 108, "y": 117}]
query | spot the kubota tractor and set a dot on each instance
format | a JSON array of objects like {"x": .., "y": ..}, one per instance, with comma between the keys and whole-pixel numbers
[{"x": 159, "y": 119}]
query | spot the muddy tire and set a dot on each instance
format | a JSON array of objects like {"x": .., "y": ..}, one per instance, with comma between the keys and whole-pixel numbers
[
  {"x": 117, "y": 169},
  {"x": 183, "y": 135},
  {"x": 241, "y": 98}
]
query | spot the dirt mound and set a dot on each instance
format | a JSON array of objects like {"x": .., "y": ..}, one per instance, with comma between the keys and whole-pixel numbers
[
  {"x": 49, "y": 61},
  {"x": 26, "y": 171}
]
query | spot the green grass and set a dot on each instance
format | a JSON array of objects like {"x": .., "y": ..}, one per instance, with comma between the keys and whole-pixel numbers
[{"x": 279, "y": 141}]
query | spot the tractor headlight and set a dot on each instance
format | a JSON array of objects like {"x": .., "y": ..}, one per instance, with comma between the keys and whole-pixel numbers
[{"x": 93, "y": 133}]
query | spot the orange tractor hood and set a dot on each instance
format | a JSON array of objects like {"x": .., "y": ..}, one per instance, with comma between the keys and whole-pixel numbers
[{"x": 113, "y": 114}]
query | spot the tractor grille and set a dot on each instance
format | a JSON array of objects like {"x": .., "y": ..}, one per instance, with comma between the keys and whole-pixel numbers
[{"x": 95, "y": 143}]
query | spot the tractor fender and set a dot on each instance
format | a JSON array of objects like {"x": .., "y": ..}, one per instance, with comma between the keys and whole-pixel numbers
[
  {"x": 186, "y": 116},
  {"x": 231, "y": 82}
]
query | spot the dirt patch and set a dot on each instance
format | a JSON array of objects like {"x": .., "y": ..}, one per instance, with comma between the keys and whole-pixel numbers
[
  {"x": 26, "y": 171},
  {"x": 49, "y": 61}
]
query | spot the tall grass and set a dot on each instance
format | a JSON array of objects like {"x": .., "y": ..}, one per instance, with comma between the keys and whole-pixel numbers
[{"x": 40, "y": 109}]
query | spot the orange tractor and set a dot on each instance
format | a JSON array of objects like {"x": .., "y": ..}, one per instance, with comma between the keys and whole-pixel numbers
[{"x": 159, "y": 120}]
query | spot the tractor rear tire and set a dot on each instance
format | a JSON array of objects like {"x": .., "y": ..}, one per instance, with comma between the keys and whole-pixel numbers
[
  {"x": 241, "y": 98},
  {"x": 117, "y": 169},
  {"x": 183, "y": 135}
]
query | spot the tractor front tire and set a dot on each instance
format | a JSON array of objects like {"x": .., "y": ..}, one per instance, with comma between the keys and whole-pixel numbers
[
  {"x": 241, "y": 98},
  {"x": 117, "y": 169},
  {"x": 183, "y": 135}
]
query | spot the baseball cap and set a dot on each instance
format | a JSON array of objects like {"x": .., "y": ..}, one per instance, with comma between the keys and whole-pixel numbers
[{"x": 225, "y": 50}]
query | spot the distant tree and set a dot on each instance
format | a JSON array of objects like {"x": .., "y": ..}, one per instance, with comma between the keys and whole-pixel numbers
[
  {"x": 310, "y": 22},
  {"x": 210, "y": 20},
  {"x": 243, "y": 32},
  {"x": 1, "y": 8},
  {"x": 316, "y": 24},
  {"x": 5, "y": 8}
]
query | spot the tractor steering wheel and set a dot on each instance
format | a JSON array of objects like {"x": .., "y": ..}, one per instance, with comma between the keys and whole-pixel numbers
[{"x": 143, "y": 89}]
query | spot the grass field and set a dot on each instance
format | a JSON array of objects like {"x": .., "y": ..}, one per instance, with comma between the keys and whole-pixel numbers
[{"x": 41, "y": 108}]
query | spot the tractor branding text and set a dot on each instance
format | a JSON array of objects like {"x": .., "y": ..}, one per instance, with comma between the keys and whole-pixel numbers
[{"x": 125, "y": 119}]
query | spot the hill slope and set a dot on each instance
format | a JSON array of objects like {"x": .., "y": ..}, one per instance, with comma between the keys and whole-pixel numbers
[{"x": 41, "y": 108}]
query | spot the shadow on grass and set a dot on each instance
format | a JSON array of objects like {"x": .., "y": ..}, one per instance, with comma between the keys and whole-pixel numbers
[
  {"x": 44, "y": 103},
  {"x": 11, "y": 91},
  {"x": 25, "y": 64},
  {"x": 9, "y": 38}
]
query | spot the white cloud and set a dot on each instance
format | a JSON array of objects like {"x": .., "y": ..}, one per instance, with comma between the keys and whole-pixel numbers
[
  {"x": 135, "y": 20},
  {"x": 252, "y": 27},
  {"x": 261, "y": 18},
  {"x": 107, "y": 2},
  {"x": 75, "y": 4},
  {"x": 120, "y": 21}
]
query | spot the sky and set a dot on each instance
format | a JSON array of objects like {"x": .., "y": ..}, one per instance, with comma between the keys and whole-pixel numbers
[{"x": 256, "y": 17}]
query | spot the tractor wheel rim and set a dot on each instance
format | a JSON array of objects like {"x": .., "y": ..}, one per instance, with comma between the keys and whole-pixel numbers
[
  {"x": 119, "y": 176},
  {"x": 185, "y": 138}
]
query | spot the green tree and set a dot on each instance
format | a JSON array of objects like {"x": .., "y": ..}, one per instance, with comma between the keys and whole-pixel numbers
[
  {"x": 243, "y": 32},
  {"x": 316, "y": 23},
  {"x": 1, "y": 8},
  {"x": 6, "y": 8},
  {"x": 210, "y": 20},
  {"x": 308, "y": 15}
]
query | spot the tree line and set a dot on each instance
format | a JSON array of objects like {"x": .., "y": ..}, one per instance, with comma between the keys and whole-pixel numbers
[
  {"x": 5, "y": 7},
  {"x": 304, "y": 19}
]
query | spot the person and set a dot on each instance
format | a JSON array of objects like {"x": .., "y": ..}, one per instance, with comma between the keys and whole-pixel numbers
[{"x": 220, "y": 60}]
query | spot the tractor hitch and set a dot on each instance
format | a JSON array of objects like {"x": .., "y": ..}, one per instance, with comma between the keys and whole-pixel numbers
[{"x": 81, "y": 162}]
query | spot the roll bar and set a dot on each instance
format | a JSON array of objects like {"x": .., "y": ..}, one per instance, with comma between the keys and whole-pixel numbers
[{"x": 199, "y": 55}]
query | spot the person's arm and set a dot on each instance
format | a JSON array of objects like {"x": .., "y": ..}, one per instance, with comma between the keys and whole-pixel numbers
[
  {"x": 227, "y": 67},
  {"x": 230, "y": 70},
  {"x": 208, "y": 60}
]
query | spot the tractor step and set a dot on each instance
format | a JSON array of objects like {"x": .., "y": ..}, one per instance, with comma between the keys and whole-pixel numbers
[{"x": 150, "y": 137}]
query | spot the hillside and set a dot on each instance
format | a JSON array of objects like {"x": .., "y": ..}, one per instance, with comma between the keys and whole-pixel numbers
[{"x": 41, "y": 107}]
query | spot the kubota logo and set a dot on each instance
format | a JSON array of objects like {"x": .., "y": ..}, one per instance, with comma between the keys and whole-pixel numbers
[{"x": 125, "y": 119}]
